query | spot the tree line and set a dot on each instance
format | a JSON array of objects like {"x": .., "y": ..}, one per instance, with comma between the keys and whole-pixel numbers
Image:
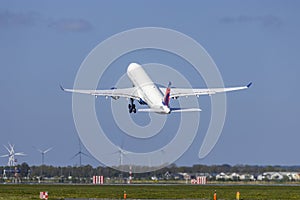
[{"x": 87, "y": 171}]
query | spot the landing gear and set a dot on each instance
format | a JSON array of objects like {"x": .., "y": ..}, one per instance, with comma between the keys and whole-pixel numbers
[{"x": 131, "y": 106}]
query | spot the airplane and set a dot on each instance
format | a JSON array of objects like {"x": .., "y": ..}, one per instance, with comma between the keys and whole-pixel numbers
[{"x": 146, "y": 92}]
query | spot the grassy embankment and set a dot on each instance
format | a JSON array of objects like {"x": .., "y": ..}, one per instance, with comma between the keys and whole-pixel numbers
[{"x": 261, "y": 192}]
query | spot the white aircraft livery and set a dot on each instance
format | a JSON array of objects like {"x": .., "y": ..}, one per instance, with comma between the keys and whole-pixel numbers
[{"x": 148, "y": 93}]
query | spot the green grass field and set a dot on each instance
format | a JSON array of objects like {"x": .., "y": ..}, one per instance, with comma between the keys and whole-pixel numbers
[{"x": 25, "y": 192}]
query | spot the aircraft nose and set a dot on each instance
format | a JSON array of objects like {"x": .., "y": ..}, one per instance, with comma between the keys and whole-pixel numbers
[{"x": 133, "y": 66}]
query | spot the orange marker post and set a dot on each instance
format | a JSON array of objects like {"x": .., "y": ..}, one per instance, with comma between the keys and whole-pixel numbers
[
  {"x": 215, "y": 195},
  {"x": 125, "y": 195}
]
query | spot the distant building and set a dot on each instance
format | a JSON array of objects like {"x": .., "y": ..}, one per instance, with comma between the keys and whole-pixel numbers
[
  {"x": 279, "y": 176},
  {"x": 247, "y": 177},
  {"x": 293, "y": 176},
  {"x": 234, "y": 177},
  {"x": 222, "y": 177}
]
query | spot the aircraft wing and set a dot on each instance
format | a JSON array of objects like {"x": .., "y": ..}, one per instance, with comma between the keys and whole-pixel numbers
[
  {"x": 172, "y": 110},
  {"x": 179, "y": 92},
  {"x": 114, "y": 93}
]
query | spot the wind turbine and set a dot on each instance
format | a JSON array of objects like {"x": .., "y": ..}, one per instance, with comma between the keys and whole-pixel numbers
[
  {"x": 79, "y": 153},
  {"x": 43, "y": 153},
  {"x": 11, "y": 155},
  {"x": 122, "y": 154}
]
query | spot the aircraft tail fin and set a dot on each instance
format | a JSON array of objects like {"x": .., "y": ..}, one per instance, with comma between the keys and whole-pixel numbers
[{"x": 167, "y": 95}]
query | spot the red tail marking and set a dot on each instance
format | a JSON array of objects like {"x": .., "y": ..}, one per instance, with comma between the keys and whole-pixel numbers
[{"x": 167, "y": 95}]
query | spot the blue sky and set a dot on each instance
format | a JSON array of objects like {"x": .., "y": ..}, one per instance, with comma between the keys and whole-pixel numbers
[{"x": 43, "y": 44}]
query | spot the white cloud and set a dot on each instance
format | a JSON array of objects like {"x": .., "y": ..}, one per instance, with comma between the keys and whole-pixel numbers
[
  {"x": 265, "y": 20},
  {"x": 11, "y": 19},
  {"x": 72, "y": 25}
]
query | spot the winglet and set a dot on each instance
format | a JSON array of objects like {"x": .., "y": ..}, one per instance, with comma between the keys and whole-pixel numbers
[
  {"x": 62, "y": 88},
  {"x": 249, "y": 84},
  {"x": 169, "y": 84}
]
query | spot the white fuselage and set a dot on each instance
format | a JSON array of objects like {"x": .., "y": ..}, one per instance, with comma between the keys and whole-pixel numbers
[{"x": 147, "y": 89}]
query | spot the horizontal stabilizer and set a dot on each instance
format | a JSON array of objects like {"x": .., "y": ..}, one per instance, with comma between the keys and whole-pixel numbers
[
  {"x": 172, "y": 110},
  {"x": 185, "y": 110}
]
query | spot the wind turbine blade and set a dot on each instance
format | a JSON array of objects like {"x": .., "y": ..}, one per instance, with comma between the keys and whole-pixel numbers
[
  {"x": 75, "y": 155},
  {"x": 85, "y": 154},
  {"x": 37, "y": 149},
  {"x": 48, "y": 150},
  {"x": 6, "y": 148},
  {"x": 20, "y": 154},
  {"x": 4, "y": 156},
  {"x": 115, "y": 152},
  {"x": 12, "y": 146}
]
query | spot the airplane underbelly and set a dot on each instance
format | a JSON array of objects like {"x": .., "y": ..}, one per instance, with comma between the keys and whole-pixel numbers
[
  {"x": 152, "y": 96},
  {"x": 146, "y": 88}
]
